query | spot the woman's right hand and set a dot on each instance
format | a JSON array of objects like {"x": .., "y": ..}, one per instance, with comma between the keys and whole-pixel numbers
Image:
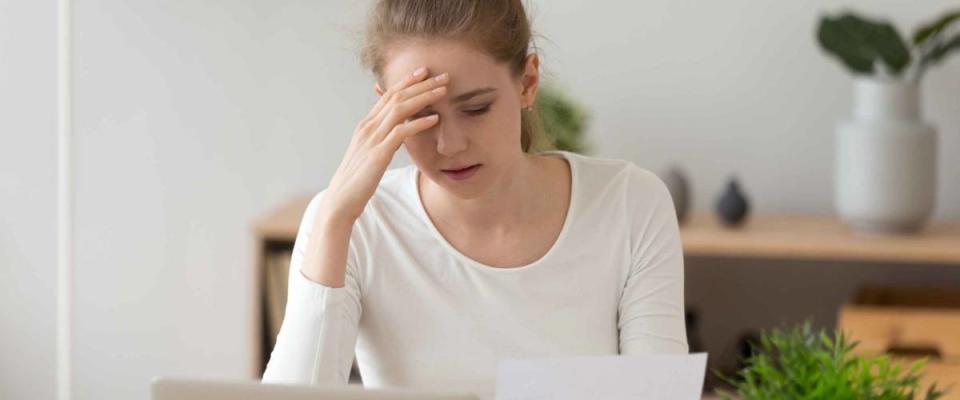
[{"x": 377, "y": 138}]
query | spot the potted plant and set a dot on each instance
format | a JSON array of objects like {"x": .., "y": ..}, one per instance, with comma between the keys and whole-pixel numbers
[
  {"x": 564, "y": 120},
  {"x": 886, "y": 155},
  {"x": 801, "y": 363}
]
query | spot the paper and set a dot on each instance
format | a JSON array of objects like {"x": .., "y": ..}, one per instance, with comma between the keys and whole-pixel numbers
[{"x": 633, "y": 377}]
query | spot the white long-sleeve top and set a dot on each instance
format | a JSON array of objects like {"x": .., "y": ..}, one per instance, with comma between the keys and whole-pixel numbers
[{"x": 417, "y": 313}]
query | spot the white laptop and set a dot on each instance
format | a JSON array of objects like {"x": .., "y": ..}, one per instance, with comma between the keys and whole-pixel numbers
[{"x": 188, "y": 389}]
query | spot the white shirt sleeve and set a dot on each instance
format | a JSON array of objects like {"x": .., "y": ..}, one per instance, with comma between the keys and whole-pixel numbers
[
  {"x": 315, "y": 344},
  {"x": 651, "y": 313}
]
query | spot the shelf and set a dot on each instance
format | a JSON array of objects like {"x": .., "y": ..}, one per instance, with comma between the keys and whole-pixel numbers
[
  {"x": 814, "y": 237},
  {"x": 282, "y": 223}
]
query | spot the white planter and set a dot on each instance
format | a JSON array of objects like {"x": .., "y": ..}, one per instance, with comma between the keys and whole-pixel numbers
[{"x": 886, "y": 160}]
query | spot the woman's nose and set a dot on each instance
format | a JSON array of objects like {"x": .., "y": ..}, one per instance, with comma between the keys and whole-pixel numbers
[{"x": 450, "y": 141}]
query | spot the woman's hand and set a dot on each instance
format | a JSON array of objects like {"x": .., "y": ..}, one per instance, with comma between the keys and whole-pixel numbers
[{"x": 377, "y": 138}]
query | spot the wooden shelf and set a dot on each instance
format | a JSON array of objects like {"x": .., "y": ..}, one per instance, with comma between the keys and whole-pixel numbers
[
  {"x": 283, "y": 222},
  {"x": 813, "y": 237}
]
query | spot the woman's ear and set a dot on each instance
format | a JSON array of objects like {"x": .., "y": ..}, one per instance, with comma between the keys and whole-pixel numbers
[{"x": 530, "y": 80}]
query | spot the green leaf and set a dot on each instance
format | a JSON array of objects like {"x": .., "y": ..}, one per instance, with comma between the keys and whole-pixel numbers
[
  {"x": 860, "y": 43},
  {"x": 801, "y": 363},
  {"x": 925, "y": 32},
  {"x": 564, "y": 121},
  {"x": 941, "y": 50}
]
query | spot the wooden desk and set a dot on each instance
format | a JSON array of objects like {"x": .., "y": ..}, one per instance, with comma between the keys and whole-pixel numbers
[{"x": 814, "y": 237}]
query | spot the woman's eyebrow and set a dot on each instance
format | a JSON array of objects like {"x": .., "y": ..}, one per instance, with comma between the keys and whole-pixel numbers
[
  {"x": 466, "y": 96},
  {"x": 471, "y": 94}
]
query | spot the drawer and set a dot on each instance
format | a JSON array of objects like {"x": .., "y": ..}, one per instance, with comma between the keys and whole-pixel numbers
[{"x": 909, "y": 333}]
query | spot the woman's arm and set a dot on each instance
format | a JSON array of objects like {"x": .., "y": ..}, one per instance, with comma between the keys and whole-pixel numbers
[
  {"x": 651, "y": 314},
  {"x": 319, "y": 331}
]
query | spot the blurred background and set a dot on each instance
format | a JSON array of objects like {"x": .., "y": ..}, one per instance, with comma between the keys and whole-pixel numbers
[{"x": 195, "y": 120}]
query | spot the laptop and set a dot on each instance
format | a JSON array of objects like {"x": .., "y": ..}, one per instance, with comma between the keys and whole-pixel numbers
[{"x": 190, "y": 389}]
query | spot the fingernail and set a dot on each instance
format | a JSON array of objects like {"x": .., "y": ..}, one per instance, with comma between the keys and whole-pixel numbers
[
  {"x": 441, "y": 77},
  {"x": 419, "y": 72}
]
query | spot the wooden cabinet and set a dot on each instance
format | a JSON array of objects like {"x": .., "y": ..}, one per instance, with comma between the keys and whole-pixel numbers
[{"x": 910, "y": 323}]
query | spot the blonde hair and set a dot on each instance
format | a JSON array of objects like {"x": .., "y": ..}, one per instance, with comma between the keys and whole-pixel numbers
[{"x": 498, "y": 27}]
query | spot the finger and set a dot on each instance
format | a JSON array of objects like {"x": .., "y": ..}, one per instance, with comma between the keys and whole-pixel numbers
[
  {"x": 408, "y": 129},
  {"x": 380, "y": 123},
  {"x": 423, "y": 86},
  {"x": 402, "y": 111},
  {"x": 414, "y": 77},
  {"x": 411, "y": 91}
]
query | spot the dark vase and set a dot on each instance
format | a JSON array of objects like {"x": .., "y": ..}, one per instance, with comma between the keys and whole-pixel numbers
[
  {"x": 676, "y": 181},
  {"x": 732, "y": 206}
]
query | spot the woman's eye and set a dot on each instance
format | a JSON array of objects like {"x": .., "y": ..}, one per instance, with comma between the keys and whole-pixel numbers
[{"x": 478, "y": 111}]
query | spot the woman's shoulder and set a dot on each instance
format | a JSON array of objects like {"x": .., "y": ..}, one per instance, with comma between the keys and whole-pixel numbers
[
  {"x": 644, "y": 198},
  {"x": 602, "y": 174}
]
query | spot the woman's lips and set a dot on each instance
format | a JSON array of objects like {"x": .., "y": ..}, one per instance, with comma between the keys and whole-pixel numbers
[{"x": 461, "y": 174}]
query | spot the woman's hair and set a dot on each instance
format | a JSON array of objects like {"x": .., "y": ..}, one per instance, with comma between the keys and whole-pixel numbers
[{"x": 498, "y": 27}]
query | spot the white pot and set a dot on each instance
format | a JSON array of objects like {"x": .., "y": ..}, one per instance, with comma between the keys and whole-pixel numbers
[{"x": 886, "y": 160}]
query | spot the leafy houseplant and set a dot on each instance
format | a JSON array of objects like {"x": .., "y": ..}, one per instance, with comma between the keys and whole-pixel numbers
[
  {"x": 563, "y": 120},
  {"x": 800, "y": 363},
  {"x": 886, "y": 154},
  {"x": 875, "y": 47}
]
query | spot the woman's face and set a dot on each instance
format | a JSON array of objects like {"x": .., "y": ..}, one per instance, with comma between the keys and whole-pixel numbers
[{"x": 479, "y": 116}]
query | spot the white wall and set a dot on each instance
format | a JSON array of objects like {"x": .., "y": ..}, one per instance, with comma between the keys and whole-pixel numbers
[
  {"x": 194, "y": 118},
  {"x": 732, "y": 87},
  {"x": 28, "y": 190}
]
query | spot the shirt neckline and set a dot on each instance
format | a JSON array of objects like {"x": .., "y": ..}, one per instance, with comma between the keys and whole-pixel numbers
[{"x": 571, "y": 208}]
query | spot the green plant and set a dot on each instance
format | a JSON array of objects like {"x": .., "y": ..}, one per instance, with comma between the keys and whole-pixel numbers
[
  {"x": 875, "y": 47},
  {"x": 800, "y": 363},
  {"x": 563, "y": 120}
]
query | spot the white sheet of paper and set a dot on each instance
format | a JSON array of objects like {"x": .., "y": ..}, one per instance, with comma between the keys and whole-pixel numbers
[{"x": 633, "y": 377}]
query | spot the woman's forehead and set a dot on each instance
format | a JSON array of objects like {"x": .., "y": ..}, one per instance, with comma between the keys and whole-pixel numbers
[{"x": 464, "y": 63}]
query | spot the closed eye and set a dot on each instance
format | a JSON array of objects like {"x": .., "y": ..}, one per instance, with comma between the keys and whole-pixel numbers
[
  {"x": 478, "y": 111},
  {"x": 470, "y": 111}
]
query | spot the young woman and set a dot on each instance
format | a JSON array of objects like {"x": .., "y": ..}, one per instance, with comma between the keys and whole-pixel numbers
[{"x": 486, "y": 248}]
